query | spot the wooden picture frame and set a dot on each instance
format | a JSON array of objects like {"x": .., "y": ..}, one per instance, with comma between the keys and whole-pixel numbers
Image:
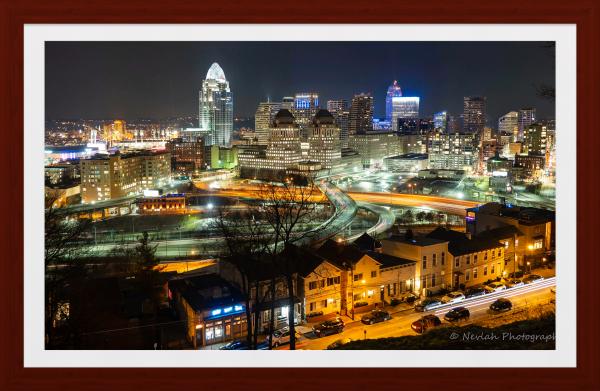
[{"x": 15, "y": 14}]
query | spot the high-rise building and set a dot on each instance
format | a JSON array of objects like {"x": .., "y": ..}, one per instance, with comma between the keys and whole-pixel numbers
[
  {"x": 440, "y": 121},
  {"x": 339, "y": 109},
  {"x": 306, "y": 105},
  {"x": 526, "y": 118},
  {"x": 105, "y": 177},
  {"x": 404, "y": 107},
  {"x": 324, "y": 144},
  {"x": 393, "y": 91},
  {"x": 509, "y": 124},
  {"x": 265, "y": 114},
  {"x": 287, "y": 103},
  {"x": 535, "y": 139},
  {"x": 216, "y": 107},
  {"x": 455, "y": 151},
  {"x": 474, "y": 114},
  {"x": 361, "y": 114}
]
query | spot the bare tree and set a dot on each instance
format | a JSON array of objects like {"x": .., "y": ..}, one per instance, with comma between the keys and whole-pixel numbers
[
  {"x": 247, "y": 242},
  {"x": 288, "y": 208},
  {"x": 61, "y": 237}
]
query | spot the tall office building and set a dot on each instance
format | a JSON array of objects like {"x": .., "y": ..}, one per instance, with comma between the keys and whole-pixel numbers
[
  {"x": 526, "y": 118},
  {"x": 187, "y": 157},
  {"x": 361, "y": 114},
  {"x": 216, "y": 108},
  {"x": 440, "y": 121},
  {"x": 339, "y": 110},
  {"x": 306, "y": 105},
  {"x": 509, "y": 124},
  {"x": 263, "y": 118},
  {"x": 393, "y": 91},
  {"x": 404, "y": 107},
  {"x": 474, "y": 114},
  {"x": 287, "y": 103},
  {"x": 324, "y": 144}
]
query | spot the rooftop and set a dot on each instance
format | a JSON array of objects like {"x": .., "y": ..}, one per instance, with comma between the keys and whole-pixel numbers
[
  {"x": 417, "y": 241},
  {"x": 460, "y": 244},
  {"x": 206, "y": 291},
  {"x": 387, "y": 260}
]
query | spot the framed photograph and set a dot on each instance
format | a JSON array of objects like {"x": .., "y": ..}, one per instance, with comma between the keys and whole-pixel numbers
[{"x": 291, "y": 194}]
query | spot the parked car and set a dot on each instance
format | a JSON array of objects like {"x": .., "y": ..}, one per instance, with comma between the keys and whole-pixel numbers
[
  {"x": 425, "y": 323},
  {"x": 456, "y": 314},
  {"x": 453, "y": 297},
  {"x": 282, "y": 336},
  {"x": 533, "y": 278},
  {"x": 427, "y": 304},
  {"x": 514, "y": 282},
  {"x": 501, "y": 305},
  {"x": 518, "y": 274},
  {"x": 475, "y": 292},
  {"x": 339, "y": 342},
  {"x": 235, "y": 345},
  {"x": 376, "y": 316},
  {"x": 494, "y": 287},
  {"x": 329, "y": 327}
]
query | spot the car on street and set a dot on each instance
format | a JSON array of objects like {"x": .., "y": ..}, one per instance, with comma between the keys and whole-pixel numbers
[
  {"x": 235, "y": 345},
  {"x": 376, "y": 316},
  {"x": 494, "y": 287},
  {"x": 282, "y": 336},
  {"x": 334, "y": 326},
  {"x": 453, "y": 297},
  {"x": 456, "y": 314},
  {"x": 514, "y": 283},
  {"x": 425, "y": 323},
  {"x": 475, "y": 292},
  {"x": 339, "y": 342},
  {"x": 427, "y": 304},
  {"x": 501, "y": 305},
  {"x": 532, "y": 278}
]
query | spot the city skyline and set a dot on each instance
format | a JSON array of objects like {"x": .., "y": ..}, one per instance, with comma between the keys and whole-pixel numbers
[{"x": 138, "y": 86}]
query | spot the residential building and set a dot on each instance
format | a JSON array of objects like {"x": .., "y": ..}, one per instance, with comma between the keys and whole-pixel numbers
[
  {"x": 105, "y": 177},
  {"x": 536, "y": 225},
  {"x": 187, "y": 157}
]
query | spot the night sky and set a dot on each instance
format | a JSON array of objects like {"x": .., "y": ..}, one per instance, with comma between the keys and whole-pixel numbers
[{"x": 104, "y": 80}]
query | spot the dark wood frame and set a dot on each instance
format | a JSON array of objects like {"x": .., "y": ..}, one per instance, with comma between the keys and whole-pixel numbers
[{"x": 14, "y": 14}]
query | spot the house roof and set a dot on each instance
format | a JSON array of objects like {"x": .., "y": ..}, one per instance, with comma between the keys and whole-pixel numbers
[
  {"x": 367, "y": 243},
  {"x": 422, "y": 241},
  {"x": 387, "y": 260},
  {"x": 341, "y": 255},
  {"x": 206, "y": 291},
  {"x": 460, "y": 244},
  {"x": 505, "y": 232},
  {"x": 308, "y": 260}
]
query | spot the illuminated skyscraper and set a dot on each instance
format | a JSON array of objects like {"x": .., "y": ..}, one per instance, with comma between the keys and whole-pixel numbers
[
  {"x": 474, "y": 114},
  {"x": 361, "y": 114},
  {"x": 404, "y": 107},
  {"x": 306, "y": 105},
  {"x": 339, "y": 110},
  {"x": 265, "y": 113},
  {"x": 394, "y": 90},
  {"x": 440, "y": 121},
  {"x": 526, "y": 118},
  {"x": 509, "y": 123},
  {"x": 216, "y": 108}
]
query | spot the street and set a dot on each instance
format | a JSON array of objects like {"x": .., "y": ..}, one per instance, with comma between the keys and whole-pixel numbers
[{"x": 521, "y": 297}]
